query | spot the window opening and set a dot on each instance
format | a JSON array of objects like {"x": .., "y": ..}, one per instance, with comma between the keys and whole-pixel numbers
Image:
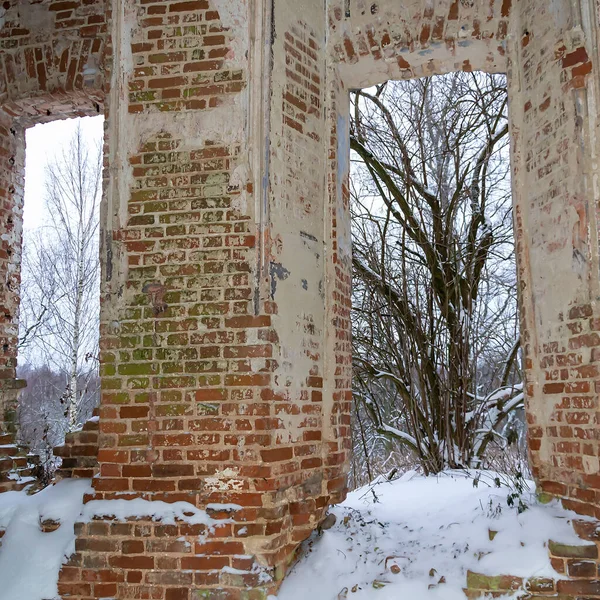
[{"x": 60, "y": 275}]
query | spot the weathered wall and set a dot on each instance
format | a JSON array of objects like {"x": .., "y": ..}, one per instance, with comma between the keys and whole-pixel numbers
[
  {"x": 51, "y": 56},
  {"x": 225, "y": 349},
  {"x": 373, "y": 41},
  {"x": 213, "y": 325},
  {"x": 554, "y": 91}
]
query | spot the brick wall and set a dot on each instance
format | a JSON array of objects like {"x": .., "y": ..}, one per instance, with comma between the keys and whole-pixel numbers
[
  {"x": 576, "y": 566},
  {"x": 212, "y": 373},
  {"x": 52, "y": 56},
  {"x": 79, "y": 453},
  {"x": 15, "y": 470},
  {"x": 555, "y": 207},
  {"x": 225, "y": 349},
  {"x": 12, "y": 157}
]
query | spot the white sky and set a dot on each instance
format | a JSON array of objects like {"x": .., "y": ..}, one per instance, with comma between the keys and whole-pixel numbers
[{"x": 44, "y": 142}]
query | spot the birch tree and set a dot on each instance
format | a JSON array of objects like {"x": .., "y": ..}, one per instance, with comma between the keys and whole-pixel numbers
[{"x": 60, "y": 315}]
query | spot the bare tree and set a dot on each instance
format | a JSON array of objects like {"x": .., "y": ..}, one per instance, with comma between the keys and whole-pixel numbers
[
  {"x": 435, "y": 292},
  {"x": 60, "y": 271}
]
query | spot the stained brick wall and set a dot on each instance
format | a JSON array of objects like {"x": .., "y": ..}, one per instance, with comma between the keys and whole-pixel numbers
[
  {"x": 225, "y": 349},
  {"x": 213, "y": 365},
  {"x": 554, "y": 145}
]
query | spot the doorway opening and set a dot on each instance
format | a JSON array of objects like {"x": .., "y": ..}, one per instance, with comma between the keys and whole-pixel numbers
[{"x": 437, "y": 373}]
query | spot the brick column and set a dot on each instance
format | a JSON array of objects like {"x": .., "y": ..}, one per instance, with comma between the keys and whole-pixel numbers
[
  {"x": 553, "y": 97},
  {"x": 12, "y": 166},
  {"x": 219, "y": 386}
]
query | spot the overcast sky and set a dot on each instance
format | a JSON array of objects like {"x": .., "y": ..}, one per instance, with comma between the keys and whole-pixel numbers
[{"x": 43, "y": 142}]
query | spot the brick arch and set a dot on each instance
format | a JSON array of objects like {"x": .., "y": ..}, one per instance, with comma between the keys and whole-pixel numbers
[
  {"x": 52, "y": 63},
  {"x": 373, "y": 41}
]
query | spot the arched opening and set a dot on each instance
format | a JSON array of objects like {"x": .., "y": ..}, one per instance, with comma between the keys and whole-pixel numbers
[
  {"x": 552, "y": 154},
  {"x": 43, "y": 430}
]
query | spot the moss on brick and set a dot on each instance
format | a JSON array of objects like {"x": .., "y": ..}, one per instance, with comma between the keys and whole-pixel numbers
[
  {"x": 493, "y": 583},
  {"x": 143, "y": 368},
  {"x": 208, "y": 408},
  {"x": 573, "y": 551}
]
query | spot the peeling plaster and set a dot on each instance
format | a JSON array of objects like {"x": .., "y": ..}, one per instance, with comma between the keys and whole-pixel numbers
[
  {"x": 560, "y": 11},
  {"x": 35, "y": 17},
  {"x": 225, "y": 480},
  {"x": 297, "y": 207},
  {"x": 343, "y": 173},
  {"x": 235, "y": 16},
  {"x": 277, "y": 272}
]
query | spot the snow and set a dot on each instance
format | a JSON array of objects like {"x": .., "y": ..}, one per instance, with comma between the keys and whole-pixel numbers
[
  {"x": 400, "y": 435},
  {"x": 29, "y": 558},
  {"x": 223, "y": 507},
  {"x": 416, "y": 541},
  {"x": 166, "y": 512},
  {"x": 423, "y": 530}
]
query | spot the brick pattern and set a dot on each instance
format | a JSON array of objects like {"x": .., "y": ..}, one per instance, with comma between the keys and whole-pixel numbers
[
  {"x": 185, "y": 381},
  {"x": 503, "y": 586},
  {"x": 312, "y": 469},
  {"x": 51, "y": 59},
  {"x": 181, "y": 359},
  {"x": 571, "y": 369},
  {"x": 561, "y": 337},
  {"x": 302, "y": 108},
  {"x": 147, "y": 559},
  {"x": 339, "y": 438},
  {"x": 180, "y": 58},
  {"x": 15, "y": 470},
  {"x": 577, "y": 565},
  {"x": 380, "y": 40},
  {"x": 79, "y": 453}
]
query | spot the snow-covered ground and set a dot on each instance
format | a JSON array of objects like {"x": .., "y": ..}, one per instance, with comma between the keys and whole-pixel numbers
[
  {"x": 421, "y": 536},
  {"x": 30, "y": 559},
  {"x": 416, "y": 541}
]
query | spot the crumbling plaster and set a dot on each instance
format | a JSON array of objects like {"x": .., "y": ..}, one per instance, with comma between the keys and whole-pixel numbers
[{"x": 226, "y": 354}]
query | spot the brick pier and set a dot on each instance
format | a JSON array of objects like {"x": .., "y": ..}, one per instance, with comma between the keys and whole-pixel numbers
[{"x": 226, "y": 259}]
